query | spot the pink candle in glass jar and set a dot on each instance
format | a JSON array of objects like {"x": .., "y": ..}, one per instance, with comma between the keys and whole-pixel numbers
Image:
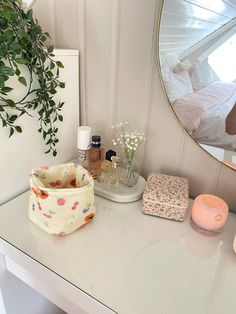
[{"x": 209, "y": 212}]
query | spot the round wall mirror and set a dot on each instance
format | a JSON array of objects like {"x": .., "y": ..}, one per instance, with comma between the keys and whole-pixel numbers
[{"x": 197, "y": 50}]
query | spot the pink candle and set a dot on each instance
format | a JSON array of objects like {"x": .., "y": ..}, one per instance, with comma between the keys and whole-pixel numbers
[{"x": 209, "y": 212}]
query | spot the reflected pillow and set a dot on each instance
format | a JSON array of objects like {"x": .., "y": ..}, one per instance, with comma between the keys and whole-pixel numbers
[
  {"x": 201, "y": 75},
  {"x": 177, "y": 85}
]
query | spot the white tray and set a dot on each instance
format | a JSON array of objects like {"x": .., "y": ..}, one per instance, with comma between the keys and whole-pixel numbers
[{"x": 121, "y": 193}]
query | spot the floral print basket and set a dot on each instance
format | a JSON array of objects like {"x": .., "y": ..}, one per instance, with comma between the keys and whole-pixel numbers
[{"x": 61, "y": 198}]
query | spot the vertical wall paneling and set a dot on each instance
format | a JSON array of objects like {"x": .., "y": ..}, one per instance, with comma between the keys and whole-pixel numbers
[
  {"x": 203, "y": 172},
  {"x": 119, "y": 81},
  {"x": 82, "y": 48},
  {"x": 52, "y": 12},
  {"x": 150, "y": 85},
  {"x": 43, "y": 11},
  {"x": 182, "y": 151},
  {"x": 164, "y": 135},
  {"x": 66, "y": 19},
  {"x": 226, "y": 187},
  {"x": 98, "y": 65},
  {"x": 135, "y": 59},
  {"x": 115, "y": 60}
]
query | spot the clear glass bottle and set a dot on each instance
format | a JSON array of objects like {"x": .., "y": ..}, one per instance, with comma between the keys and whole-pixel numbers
[
  {"x": 95, "y": 157},
  {"x": 114, "y": 172},
  {"x": 107, "y": 163}
]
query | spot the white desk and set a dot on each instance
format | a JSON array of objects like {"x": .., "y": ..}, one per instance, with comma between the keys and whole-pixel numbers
[{"x": 123, "y": 261}]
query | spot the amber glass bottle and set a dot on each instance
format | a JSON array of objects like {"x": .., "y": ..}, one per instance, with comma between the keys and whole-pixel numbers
[{"x": 95, "y": 157}]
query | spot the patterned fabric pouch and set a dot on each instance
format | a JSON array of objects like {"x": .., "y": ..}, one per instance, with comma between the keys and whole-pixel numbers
[{"x": 61, "y": 198}]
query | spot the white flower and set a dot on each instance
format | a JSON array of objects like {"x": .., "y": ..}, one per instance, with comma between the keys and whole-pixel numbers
[{"x": 127, "y": 141}]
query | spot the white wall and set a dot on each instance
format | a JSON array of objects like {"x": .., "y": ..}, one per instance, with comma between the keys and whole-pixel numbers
[
  {"x": 22, "y": 152},
  {"x": 120, "y": 81}
]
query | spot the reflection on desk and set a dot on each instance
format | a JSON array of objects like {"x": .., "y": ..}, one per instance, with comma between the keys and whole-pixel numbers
[{"x": 131, "y": 262}]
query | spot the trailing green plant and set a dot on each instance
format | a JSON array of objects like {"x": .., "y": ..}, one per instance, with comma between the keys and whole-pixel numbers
[{"x": 23, "y": 56}]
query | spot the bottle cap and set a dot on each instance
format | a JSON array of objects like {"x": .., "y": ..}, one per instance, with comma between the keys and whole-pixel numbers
[
  {"x": 115, "y": 162},
  {"x": 109, "y": 154},
  {"x": 96, "y": 141},
  {"x": 115, "y": 159},
  {"x": 83, "y": 137}
]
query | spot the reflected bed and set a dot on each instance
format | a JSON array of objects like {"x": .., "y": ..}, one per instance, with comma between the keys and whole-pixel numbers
[{"x": 203, "y": 114}]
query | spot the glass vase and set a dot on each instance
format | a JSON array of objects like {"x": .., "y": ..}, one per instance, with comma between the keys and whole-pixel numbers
[{"x": 129, "y": 172}]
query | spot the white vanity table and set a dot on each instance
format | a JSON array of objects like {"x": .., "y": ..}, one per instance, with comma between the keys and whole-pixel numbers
[{"x": 123, "y": 262}]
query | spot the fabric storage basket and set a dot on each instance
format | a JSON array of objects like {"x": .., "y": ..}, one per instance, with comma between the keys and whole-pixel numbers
[
  {"x": 166, "y": 196},
  {"x": 61, "y": 198}
]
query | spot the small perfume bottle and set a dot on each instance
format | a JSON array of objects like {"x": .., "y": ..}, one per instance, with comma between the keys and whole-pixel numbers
[
  {"x": 114, "y": 172},
  {"x": 95, "y": 157},
  {"x": 83, "y": 142},
  {"x": 107, "y": 162}
]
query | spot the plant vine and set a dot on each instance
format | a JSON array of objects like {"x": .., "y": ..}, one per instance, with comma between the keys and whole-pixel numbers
[{"x": 23, "y": 56}]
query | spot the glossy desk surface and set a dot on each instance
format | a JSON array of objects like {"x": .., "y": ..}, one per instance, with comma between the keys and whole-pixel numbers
[{"x": 134, "y": 263}]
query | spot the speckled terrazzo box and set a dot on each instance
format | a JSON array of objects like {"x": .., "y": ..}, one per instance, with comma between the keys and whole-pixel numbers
[{"x": 166, "y": 196}]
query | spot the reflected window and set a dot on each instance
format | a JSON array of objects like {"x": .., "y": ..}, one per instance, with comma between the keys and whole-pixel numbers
[{"x": 223, "y": 60}]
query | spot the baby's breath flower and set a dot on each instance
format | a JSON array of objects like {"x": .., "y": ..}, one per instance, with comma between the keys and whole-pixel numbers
[{"x": 127, "y": 141}]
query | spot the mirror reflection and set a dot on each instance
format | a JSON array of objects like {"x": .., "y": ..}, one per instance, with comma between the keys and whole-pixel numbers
[{"x": 197, "y": 46}]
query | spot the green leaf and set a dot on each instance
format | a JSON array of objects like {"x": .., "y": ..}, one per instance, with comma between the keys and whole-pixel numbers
[
  {"x": 5, "y": 77},
  {"x": 52, "y": 65},
  {"x": 8, "y": 35},
  {"x": 22, "y": 112},
  {"x": 6, "y": 70},
  {"x": 22, "y": 80},
  {"x": 21, "y": 61},
  {"x": 50, "y": 49},
  {"x": 43, "y": 38},
  {"x": 18, "y": 129},
  {"x": 60, "y": 64},
  {"x": 47, "y": 34},
  {"x": 29, "y": 15},
  {"x": 15, "y": 46},
  {"x": 2, "y": 82},
  {"x": 11, "y": 132},
  {"x": 22, "y": 33},
  {"x": 2, "y": 52},
  {"x": 17, "y": 71},
  {"x": 43, "y": 57},
  {"x": 10, "y": 102},
  {"x": 1, "y": 108},
  {"x": 13, "y": 118},
  {"x": 49, "y": 73},
  {"x": 7, "y": 89},
  {"x": 62, "y": 85},
  {"x": 6, "y": 13},
  {"x": 52, "y": 103},
  {"x": 60, "y": 118}
]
